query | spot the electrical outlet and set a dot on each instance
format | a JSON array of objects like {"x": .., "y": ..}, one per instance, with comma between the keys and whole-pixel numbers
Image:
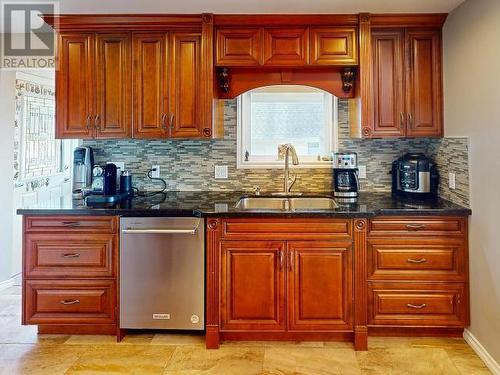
[
  {"x": 156, "y": 171},
  {"x": 220, "y": 172},
  {"x": 451, "y": 180},
  {"x": 362, "y": 171}
]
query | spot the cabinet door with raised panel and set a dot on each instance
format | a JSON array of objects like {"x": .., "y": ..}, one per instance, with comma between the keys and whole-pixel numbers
[
  {"x": 150, "y": 84},
  {"x": 252, "y": 285},
  {"x": 75, "y": 86},
  {"x": 113, "y": 88},
  {"x": 319, "y": 285},
  {"x": 388, "y": 75},
  {"x": 238, "y": 47},
  {"x": 184, "y": 118},
  {"x": 284, "y": 47},
  {"x": 333, "y": 46},
  {"x": 424, "y": 83}
]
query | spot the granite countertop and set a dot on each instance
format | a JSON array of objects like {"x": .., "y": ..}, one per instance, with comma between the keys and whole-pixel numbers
[{"x": 223, "y": 204}]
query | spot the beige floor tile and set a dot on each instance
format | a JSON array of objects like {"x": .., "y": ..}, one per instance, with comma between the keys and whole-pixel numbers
[
  {"x": 178, "y": 339},
  {"x": 310, "y": 361},
  {"x": 273, "y": 344},
  {"x": 224, "y": 361},
  {"x": 138, "y": 339},
  {"x": 406, "y": 361},
  {"x": 122, "y": 359},
  {"x": 437, "y": 342},
  {"x": 91, "y": 340},
  {"x": 466, "y": 360},
  {"x": 37, "y": 359},
  {"x": 376, "y": 342}
]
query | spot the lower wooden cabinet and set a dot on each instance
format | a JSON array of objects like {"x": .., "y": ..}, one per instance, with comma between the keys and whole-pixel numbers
[
  {"x": 70, "y": 273},
  {"x": 422, "y": 304},
  {"x": 252, "y": 285},
  {"x": 69, "y": 302},
  {"x": 319, "y": 285}
]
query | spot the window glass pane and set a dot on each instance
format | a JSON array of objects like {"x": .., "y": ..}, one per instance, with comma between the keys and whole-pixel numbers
[{"x": 298, "y": 118}]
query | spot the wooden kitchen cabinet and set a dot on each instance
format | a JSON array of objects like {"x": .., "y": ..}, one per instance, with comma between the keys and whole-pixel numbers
[
  {"x": 113, "y": 87},
  {"x": 75, "y": 85},
  {"x": 319, "y": 285},
  {"x": 70, "y": 273},
  {"x": 238, "y": 47},
  {"x": 333, "y": 46},
  {"x": 417, "y": 272},
  {"x": 185, "y": 90},
  {"x": 424, "y": 105},
  {"x": 167, "y": 85},
  {"x": 150, "y": 84},
  {"x": 406, "y": 60},
  {"x": 252, "y": 285},
  {"x": 286, "y": 46},
  {"x": 93, "y": 86},
  {"x": 388, "y": 83}
]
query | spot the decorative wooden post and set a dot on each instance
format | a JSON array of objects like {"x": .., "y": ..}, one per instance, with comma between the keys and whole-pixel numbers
[
  {"x": 213, "y": 232},
  {"x": 360, "y": 286}
]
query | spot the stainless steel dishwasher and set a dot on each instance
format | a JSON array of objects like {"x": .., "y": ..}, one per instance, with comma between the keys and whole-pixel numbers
[{"x": 162, "y": 273}]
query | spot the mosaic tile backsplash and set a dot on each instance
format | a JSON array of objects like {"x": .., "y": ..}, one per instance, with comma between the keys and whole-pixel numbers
[{"x": 188, "y": 165}]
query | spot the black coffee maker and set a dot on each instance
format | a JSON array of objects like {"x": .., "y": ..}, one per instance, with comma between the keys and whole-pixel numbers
[{"x": 345, "y": 175}]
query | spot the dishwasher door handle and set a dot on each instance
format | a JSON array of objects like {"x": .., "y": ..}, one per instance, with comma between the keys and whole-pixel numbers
[{"x": 159, "y": 231}]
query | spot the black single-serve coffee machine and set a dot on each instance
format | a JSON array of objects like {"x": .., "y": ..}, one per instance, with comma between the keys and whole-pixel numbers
[{"x": 345, "y": 175}]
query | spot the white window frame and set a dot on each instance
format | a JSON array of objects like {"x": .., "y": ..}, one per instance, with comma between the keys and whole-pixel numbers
[{"x": 256, "y": 162}]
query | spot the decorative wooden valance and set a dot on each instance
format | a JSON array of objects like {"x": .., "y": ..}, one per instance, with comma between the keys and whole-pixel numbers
[{"x": 335, "y": 80}]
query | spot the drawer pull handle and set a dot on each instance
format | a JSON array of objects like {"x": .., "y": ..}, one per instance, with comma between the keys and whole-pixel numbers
[
  {"x": 423, "y": 305},
  {"x": 71, "y": 223},
  {"x": 422, "y": 260},
  {"x": 70, "y": 301},
  {"x": 71, "y": 255},
  {"x": 415, "y": 226}
]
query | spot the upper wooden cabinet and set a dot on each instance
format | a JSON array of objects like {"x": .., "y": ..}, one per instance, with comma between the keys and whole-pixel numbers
[
  {"x": 75, "y": 86},
  {"x": 388, "y": 83},
  {"x": 134, "y": 76},
  {"x": 185, "y": 90},
  {"x": 333, "y": 46},
  {"x": 93, "y": 86},
  {"x": 424, "y": 83},
  {"x": 150, "y": 84},
  {"x": 407, "y": 88},
  {"x": 286, "y": 46},
  {"x": 238, "y": 47},
  {"x": 113, "y": 87}
]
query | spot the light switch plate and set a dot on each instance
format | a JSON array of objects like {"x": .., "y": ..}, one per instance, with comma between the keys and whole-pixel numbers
[
  {"x": 451, "y": 180},
  {"x": 362, "y": 171},
  {"x": 220, "y": 172}
]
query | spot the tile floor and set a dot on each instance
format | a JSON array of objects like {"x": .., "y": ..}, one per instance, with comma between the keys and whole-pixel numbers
[{"x": 22, "y": 351}]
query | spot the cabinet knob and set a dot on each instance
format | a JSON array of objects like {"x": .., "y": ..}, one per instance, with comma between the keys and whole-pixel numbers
[{"x": 97, "y": 123}]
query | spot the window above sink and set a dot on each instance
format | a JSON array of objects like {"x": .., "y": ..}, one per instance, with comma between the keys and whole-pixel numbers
[{"x": 304, "y": 116}]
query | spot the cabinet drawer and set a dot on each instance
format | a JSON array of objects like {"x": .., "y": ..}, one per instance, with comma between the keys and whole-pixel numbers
[
  {"x": 416, "y": 259},
  {"x": 388, "y": 226},
  {"x": 69, "y": 302},
  {"x": 69, "y": 255},
  {"x": 400, "y": 304},
  {"x": 97, "y": 224},
  {"x": 287, "y": 229}
]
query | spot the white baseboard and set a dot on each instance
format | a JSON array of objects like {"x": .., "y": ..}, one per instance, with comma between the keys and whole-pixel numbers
[
  {"x": 7, "y": 283},
  {"x": 489, "y": 361}
]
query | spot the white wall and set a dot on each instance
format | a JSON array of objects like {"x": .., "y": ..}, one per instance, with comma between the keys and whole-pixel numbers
[
  {"x": 7, "y": 114},
  {"x": 472, "y": 108}
]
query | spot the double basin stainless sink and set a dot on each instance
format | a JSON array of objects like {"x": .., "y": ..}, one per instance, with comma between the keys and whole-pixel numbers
[{"x": 286, "y": 203}]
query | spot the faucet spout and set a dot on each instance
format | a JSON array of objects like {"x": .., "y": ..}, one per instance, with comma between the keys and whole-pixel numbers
[{"x": 284, "y": 152}]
